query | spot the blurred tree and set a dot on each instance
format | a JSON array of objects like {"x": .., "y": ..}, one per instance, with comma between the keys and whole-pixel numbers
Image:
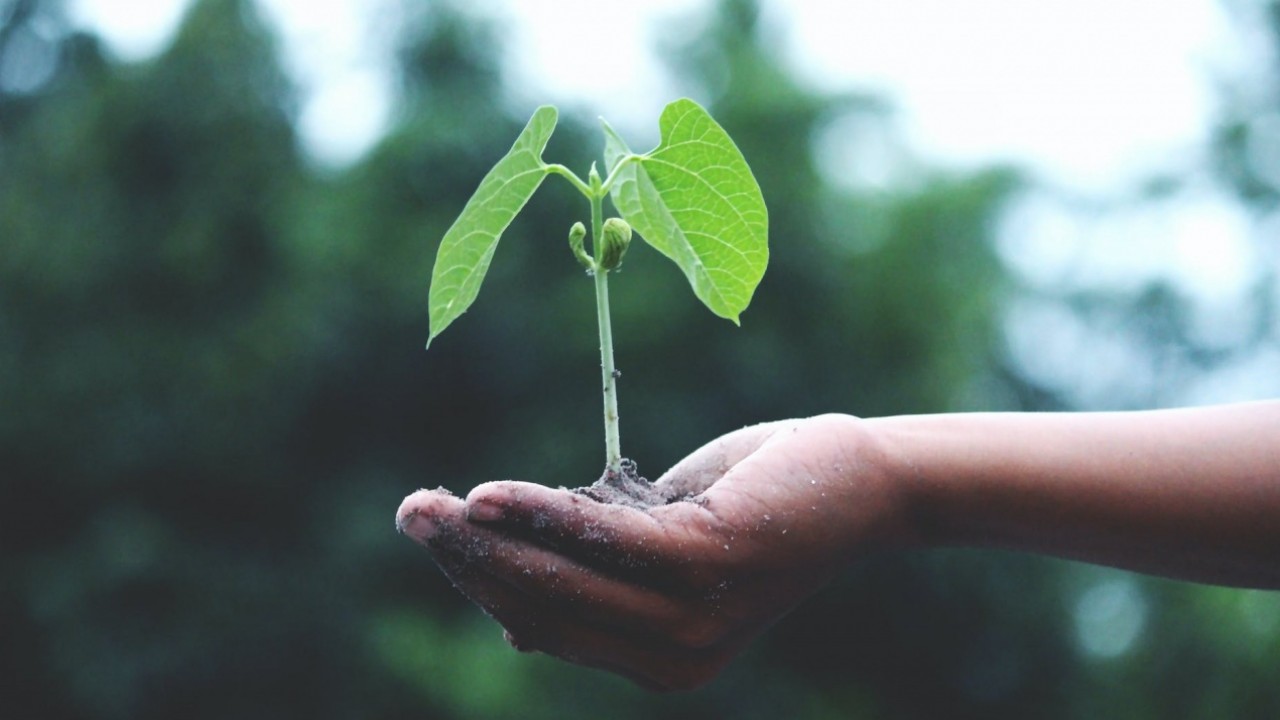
[
  {"x": 215, "y": 394},
  {"x": 153, "y": 355}
]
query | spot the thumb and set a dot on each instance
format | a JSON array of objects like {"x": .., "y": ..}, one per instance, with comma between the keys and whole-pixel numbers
[{"x": 702, "y": 468}]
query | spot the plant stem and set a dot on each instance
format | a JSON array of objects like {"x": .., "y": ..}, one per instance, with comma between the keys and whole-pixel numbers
[
  {"x": 573, "y": 179},
  {"x": 612, "y": 439}
]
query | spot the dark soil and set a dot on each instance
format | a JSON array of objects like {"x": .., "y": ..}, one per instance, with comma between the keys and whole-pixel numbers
[{"x": 628, "y": 488}]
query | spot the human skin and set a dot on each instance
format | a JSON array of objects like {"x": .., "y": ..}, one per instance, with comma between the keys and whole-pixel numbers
[{"x": 668, "y": 596}]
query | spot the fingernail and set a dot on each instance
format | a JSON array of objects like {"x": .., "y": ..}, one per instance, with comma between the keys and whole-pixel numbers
[
  {"x": 481, "y": 511},
  {"x": 416, "y": 526}
]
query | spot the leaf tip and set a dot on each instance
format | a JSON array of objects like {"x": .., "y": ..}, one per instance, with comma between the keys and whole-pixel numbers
[
  {"x": 435, "y": 333},
  {"x": 725, "y": 312}
]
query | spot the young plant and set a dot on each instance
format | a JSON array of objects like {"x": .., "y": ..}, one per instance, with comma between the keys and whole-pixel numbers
[{"x": 692, "y": 198}]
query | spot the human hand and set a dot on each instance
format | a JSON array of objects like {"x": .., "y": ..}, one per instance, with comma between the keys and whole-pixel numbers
[{"x": 669, "y": 595}]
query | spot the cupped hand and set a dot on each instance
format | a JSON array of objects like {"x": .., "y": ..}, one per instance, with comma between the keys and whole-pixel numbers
[{"x": 669, "y": 595}]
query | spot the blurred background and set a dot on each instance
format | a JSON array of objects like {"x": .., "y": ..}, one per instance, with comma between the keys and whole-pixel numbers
[{"x": 217, "y": 223}]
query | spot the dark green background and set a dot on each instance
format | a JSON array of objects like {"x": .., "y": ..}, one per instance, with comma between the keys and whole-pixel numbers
[{"x": 213, "y": 396}]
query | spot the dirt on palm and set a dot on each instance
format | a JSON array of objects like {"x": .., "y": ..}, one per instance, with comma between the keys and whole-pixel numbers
[{"x": 627, "y": 487}]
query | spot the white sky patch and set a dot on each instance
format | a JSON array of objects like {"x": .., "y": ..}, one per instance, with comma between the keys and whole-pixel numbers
[
  {"x": 333, "y": 133},
  {"x": 335, "y": 50},
  {"x": 338, "y": 51},
  {"x": 1213, "y": 256},
  {"x": 1198, "y": 239},
  {"x": 134, "y": 30},
  {"x": 1090, "y": 93},
  {"x": 599, "y": 54}
]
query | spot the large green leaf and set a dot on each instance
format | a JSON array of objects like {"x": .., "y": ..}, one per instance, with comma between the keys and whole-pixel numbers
[
  {"x": 694, "y": 199},
  {"x": 467, "y": 248}
]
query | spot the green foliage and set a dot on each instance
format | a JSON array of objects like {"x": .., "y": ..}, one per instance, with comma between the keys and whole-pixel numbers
[
  {"x": 467, "y": 248},
  {"x": 694, "y": 199}
]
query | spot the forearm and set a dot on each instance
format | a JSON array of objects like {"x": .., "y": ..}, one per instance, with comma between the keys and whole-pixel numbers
[{"x": 1192, "y": 494}]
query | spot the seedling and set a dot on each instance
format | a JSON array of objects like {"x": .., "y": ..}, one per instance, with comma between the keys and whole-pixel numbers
[{"x": 692, "y": 198}]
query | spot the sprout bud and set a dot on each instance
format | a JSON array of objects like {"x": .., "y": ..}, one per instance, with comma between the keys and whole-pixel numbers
[
  {"x": 613, "y": 244},
  {"x": 577, "y": 234}
]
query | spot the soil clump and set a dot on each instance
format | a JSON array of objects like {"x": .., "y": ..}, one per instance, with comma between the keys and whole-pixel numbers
[{"x": 627, "y": 487}]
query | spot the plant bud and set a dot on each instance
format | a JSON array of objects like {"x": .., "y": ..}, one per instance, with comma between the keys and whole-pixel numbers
[
  {"x": 577, "y": 234},
  {"x": 613, "y": 244}
]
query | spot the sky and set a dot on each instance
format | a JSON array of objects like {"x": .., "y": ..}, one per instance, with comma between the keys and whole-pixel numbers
[
  {"x": 1090, "y": 96},
  {"x": 1085, "y": 92}
]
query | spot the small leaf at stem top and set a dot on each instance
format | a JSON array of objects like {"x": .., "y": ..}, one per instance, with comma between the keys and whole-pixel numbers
[
  {"x": 467, "y": 247},
  {"x": 694, "y": 199},
  {"x": 616, "y": 237}
]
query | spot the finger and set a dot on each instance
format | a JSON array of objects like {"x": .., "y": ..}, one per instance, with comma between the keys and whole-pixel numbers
[
  {"x": 782, "y": 461},
  {"x": 437, "y": 520},
  {"x": 530, "y": 625},
  {"x": 542, "y": 621},
  {"x": 636, "y": 634},
  {"x": 420, "y": 514},
  {"x": 563, "y": 584}
]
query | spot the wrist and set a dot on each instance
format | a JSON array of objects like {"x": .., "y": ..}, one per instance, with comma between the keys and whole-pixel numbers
[
  {"x": 903, "y": 451},
  {"x": 881, "y": 494}
]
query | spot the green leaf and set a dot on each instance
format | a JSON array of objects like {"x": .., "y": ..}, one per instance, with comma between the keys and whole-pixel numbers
[
  {"x": 694, "y": 199},
  {"x": 467, "y": 248}
]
